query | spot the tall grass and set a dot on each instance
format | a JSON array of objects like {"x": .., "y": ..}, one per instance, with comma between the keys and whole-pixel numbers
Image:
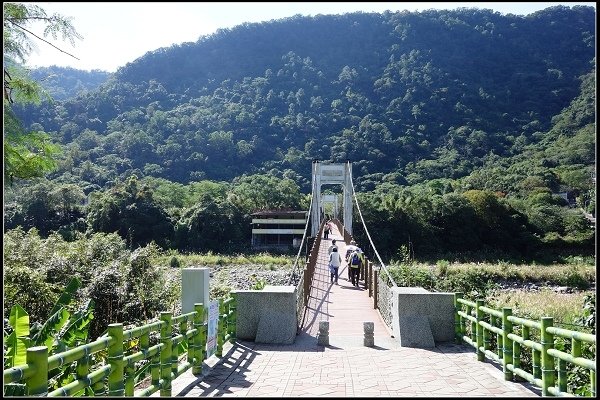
[
  {"x": 484, "y": 280},
  {"x": 211, "y": 259},
  {"x": 565, "y": 308}
]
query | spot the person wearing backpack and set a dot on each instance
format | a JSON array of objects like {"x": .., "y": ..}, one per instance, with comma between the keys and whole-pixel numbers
[
  {"x": 354, "y": 266},
  {"x": 326, "y": 230},
  {"x": 335, "y": 260},
  {"x": 330, "y": 249}
]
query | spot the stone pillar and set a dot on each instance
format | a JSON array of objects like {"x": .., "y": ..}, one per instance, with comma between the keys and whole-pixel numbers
[
  {"x": 369, "y": 329},
  {"x": 323, "y": 336},
  {"x": 194, "y": 288}
]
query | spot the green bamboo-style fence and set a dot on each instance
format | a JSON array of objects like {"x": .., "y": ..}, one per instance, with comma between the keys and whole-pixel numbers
[
  {"x": 479, "y": 326},
  {"x": 116, "y": 378}
]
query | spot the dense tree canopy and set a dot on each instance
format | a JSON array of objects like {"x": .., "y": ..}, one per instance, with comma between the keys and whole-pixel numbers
[{"x": 463, "y": 127}]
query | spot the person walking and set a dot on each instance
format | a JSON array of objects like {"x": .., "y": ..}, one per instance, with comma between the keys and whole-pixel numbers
[
  {"x": 335, "y": 260},
  {"x": 349, "y": 249},
  {"x": 326, "y": 230},
  {"x": 354, "y": 262},
  {"x": 330, "y": 249}
]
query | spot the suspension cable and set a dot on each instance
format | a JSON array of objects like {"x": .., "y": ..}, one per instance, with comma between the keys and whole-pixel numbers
[
  {"x": 295, "y": 267},
  {"x": 368, "y": 235}
]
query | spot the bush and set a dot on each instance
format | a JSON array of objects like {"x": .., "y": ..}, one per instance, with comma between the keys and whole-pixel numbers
[{"x": 174, "y": 263}]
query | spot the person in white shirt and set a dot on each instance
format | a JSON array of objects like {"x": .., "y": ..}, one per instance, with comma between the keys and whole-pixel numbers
[{"x": 335, "y": 260}]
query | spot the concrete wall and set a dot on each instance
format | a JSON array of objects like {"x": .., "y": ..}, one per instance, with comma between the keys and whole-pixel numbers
[
  {"x": 268, "y": 315},
  {"x": 416, "y": 304},
  {"x": 194, "y": 288}
]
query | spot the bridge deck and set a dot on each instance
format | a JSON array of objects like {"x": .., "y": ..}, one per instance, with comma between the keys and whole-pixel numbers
[{"x": 346, "y": 368}]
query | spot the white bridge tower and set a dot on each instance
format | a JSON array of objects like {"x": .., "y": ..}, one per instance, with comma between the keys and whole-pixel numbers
[{"x": 331, "y": 174}]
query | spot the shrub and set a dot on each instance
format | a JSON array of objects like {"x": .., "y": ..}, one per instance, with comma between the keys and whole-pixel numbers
[{"x": 174, "y": 263}]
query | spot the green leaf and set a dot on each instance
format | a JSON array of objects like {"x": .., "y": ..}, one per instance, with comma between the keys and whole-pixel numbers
[
  {"x": 77, "y": 331},
  {"x": 18, "y": 341},
  {"x": 53, "y": 324},
  {"x": 67, "y": 295},
  {"x": 19, "y": 320}
]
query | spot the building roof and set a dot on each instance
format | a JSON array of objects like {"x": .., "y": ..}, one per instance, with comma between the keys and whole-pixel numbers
[{"x": 279, "y": 212}]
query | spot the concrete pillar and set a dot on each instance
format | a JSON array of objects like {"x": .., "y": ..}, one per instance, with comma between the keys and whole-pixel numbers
[
  {"x": 323, "y": 336},
  {"x": 369, "y": 329},
  {"x": 194, "y": 288}
]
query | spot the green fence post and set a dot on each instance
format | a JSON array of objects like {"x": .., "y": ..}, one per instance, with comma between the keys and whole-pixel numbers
[
  {"x": 198, "y": 341},
  {"x": 486, "y": 334},
  {"x": 562, "y": 375},
  {"x": 575, "y": 352},
  {"x": 507, "y": 343},
  {"x": 145, "y": 345},
  {"x": 154, "y": 360},
  {"x": 535, "y": 355},
  {"x": 517, "y": 357},
  {"x": 129, "y": 380},
  {"x": 166, "y": 331},
  {"x": 499, "y": 338},
  {"x": 99, "y": 388},
  {"x": 473, "y": 335},
  {"x": 547, "y": 359},
  {"x": 116, "y": 386},
  {"x": 37, "y": 357},
  {"x": 232, "y": 319},
  {"x": 479, "y": 329},
  {"x": 83, "y": 368},
  {"x": 182, "y": 327},
  {"x": 221, "y": 329},
  {"x": 457, "y": 318}
]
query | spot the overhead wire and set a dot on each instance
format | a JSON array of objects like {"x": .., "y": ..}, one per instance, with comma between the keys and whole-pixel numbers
[{"x": 367, "y": 232}]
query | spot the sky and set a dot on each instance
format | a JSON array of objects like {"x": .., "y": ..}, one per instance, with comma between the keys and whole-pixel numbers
[{"x": 115, "y": 34}]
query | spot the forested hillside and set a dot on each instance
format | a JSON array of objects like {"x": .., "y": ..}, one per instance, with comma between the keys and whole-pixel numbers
[
  {"x": 64, "y": 83},
  {"x": 461, "y": 104}
]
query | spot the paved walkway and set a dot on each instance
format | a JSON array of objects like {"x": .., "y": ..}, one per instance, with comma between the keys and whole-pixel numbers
[{"x": 346, "y": 368}]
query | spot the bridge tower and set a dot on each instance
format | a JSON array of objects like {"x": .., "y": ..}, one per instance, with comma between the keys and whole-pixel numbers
[{"x": 334, "y": 174}]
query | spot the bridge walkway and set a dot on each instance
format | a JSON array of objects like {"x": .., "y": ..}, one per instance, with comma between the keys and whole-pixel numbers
[{"x": 345, "y": 368}]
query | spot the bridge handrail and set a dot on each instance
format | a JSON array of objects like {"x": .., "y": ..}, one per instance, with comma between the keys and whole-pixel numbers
[
  {"x": 368, "y": 235},
  {"x": 118, "y": 374},
  {"x": 475, "y": 316},
  {"x": 295, "y": 266}
]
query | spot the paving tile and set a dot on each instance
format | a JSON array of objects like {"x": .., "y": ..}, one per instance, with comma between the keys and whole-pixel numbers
[{"x": 346, "y": 368}]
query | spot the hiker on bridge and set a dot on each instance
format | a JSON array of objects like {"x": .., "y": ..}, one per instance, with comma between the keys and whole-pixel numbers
[
  {"x": 335, "y": 260},
  {"x": 330, "y": 249},
  {"x": 349, "y": 249}
]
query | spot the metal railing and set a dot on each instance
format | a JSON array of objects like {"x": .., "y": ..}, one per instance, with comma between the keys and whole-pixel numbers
[
  {"x": 116, "y": 377},
  {"x": 303, "y": 287},
  {"x": 480, "y": 326}
]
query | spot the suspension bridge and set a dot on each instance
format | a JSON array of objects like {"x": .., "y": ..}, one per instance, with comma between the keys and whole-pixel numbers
[{"x": 314, "y": 337}]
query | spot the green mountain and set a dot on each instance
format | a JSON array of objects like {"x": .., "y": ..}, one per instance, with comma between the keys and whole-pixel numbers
[
  {"x": 64, "y": 83},
  {"x": 407, "y": 97}
]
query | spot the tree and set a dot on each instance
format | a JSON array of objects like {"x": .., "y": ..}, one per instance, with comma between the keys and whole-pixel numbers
[
  {"x": 27, "y": 154},
  {"x": 130, "y": 210}
]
